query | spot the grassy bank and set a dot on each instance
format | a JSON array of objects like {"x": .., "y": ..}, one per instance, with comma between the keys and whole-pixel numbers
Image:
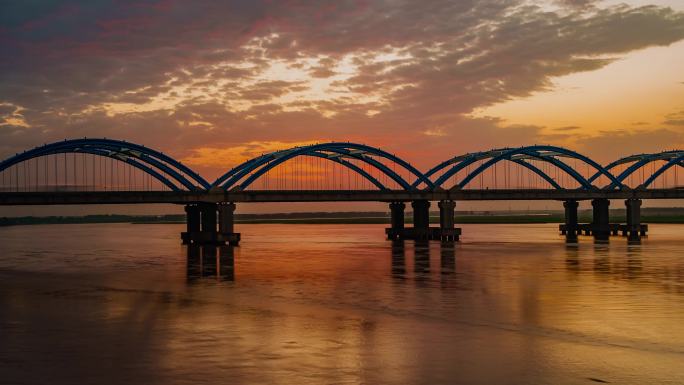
[{"x": 649, "y": 215}]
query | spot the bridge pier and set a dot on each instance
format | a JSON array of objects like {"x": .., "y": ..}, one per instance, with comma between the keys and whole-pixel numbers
[
  {"x": 192, "y": 221},
  {"x": 396, "y": 220},
  {"x": 571, "y": 229},
  {"x": 421, "y": 215},
  {"x": 208, "y": 213},
  {"x": 202, "y": 221},
  {"x": 226, "y": 218},
  {"x": 634, "y": 229},
  {"x": 446, "y": 214},
  {"x": 601, "y": 223},
  {"x": 447, "y": 210},
  {"x": 421, "y": 221},
  {"x": 421, "y": 229}
]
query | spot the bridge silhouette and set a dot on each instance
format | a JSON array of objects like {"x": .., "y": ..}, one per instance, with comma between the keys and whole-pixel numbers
[{"x": 106, "y": 171}]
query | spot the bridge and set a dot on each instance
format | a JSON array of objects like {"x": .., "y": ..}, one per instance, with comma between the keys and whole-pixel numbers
[{"x": 107, "y": 171}]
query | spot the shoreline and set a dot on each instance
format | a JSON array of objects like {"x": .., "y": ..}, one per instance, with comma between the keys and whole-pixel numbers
[{"x": 673, "y": 216}]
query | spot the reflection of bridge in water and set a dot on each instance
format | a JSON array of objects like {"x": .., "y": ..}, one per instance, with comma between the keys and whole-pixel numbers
[
  {"x": 210, "y": 261},
  {"x": 105, "y": 171},
  {"x": 421, "y": 259},
  {"x": 217, "y": 262},
  {"x": 429, "y": 263}
]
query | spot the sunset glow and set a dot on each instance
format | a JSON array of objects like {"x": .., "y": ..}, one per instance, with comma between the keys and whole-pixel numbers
[
  {"x": 216, "y": 84},
  {"x": 379, "y": 192}
]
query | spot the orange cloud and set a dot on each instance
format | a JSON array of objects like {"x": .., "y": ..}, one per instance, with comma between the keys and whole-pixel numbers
[{"x": 230, "y": 156}]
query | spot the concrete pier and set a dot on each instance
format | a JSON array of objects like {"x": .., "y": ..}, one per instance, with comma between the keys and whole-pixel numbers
[
  {"x": 192, "y": 214},
  {"x": 447, "y": 210},
  {"x": 226, "y": 219},
  {"x": 601, "y": 222},
  {"x": 634, "y": 229},
  {"x": 202, "y": 224},
  {"x": 571, "y": 229},
  {"x": 421, "y": 221},
  {"x": 421, "y": 215},
  {"x": 396, "y": 220},
  {"x": 208, "y": 214},
  {"x": 421, "y": 229}
]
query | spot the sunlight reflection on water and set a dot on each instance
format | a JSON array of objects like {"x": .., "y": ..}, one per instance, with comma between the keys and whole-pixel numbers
[{"x": 115, "y": 303}]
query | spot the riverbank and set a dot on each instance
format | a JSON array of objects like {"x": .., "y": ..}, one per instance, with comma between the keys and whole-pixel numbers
[{"x": 649, "y": 215}]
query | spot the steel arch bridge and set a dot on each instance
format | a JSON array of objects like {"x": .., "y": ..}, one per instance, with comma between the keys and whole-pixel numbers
[
  {"x": 246, "y": 173},
  {"x": 637, "y": 162},
  {"x": 379, "y": 169},
  {"x": 168, "y": 171},
  {"x": 552, "y": 174},
  {"x": 520, "y": 156}
]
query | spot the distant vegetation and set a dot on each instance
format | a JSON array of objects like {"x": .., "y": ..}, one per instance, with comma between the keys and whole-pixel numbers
[{"x": 649, "y": 215}]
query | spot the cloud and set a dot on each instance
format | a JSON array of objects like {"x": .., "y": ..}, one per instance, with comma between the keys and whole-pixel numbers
[
  {"x": 567, "y": 128},
  {"x": 577, "y": 3},
  {"x": 230, "y": 156},
  {"x": 675, "y": 119},
  {"x": 608, "y": 146},
  {"x": 192, "y": 76}
]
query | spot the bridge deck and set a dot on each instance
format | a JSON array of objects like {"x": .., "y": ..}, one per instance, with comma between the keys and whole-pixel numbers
[{"x": 142, "y": 197}]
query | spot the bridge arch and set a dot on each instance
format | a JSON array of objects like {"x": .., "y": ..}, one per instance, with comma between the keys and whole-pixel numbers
[
  {"x": 671, "y": 158},
  {"x": 243, "y": 175},
  {"x": 159, "y": 166},
  {"x": 519, "y": 156}
]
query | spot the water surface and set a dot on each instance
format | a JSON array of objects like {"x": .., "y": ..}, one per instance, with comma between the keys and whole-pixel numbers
[{"x": 311, "y": 304}]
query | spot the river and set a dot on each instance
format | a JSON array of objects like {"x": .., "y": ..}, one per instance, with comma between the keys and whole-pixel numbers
[{"x": 338, "y": 304}]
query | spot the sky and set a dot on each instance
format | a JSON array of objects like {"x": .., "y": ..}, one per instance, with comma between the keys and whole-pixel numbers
[{"x": 214, "y": 83}]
